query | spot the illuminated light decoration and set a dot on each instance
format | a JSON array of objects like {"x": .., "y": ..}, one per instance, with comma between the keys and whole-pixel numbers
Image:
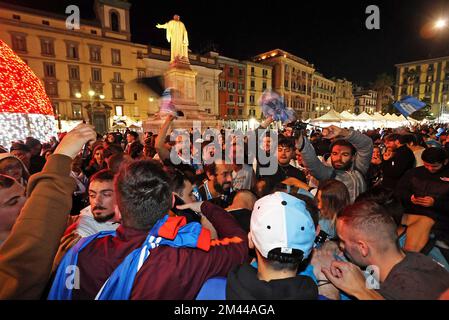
[{"x": 25, "y": 109}]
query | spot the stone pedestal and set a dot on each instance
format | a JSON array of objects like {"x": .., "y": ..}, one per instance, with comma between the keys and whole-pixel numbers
[{"x": 182, "y": 79}]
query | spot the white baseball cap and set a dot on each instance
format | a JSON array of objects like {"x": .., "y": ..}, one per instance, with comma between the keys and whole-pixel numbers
[{"x": 280, "y": 220}]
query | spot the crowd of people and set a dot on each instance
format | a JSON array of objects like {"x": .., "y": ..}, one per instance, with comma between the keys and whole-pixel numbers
[{"x": 344, "y": 214}]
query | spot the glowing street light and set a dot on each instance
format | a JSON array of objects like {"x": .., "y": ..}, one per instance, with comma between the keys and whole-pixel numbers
[
  {"x": 91, "y": 93},
  {"x": 101, "y": 96},
  {"x": 78, "y": 95},
  {"x": 440, "y": 24}
]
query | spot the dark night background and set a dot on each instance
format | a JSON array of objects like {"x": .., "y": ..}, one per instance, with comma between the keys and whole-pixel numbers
[{"x": 330, "y": 34}]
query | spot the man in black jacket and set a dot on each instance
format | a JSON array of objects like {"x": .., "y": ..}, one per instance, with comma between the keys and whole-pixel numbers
[
  {"x": 395, "y": 167},
  {"x": 424, "y": 193}
]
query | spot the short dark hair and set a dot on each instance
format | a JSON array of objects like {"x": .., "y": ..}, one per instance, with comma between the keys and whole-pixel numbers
[
  {"x": 144, "y": 193},
  {"x": 280, "y": 261},
  {"x": 372, "y": 220},
  {"x": 6, "y": 182},
  {"x": 392, "y": 137},
  {"x": 19, "y": 146},
  {"x": 408, "y": 138},
  {"x": 136, "y": 150},
  {"x": 115, "y": 161},
  {"x": 134, "y": 134},
  {"x": 286, "y": 142},
  {"x": 343, "y": 143},
  {"x": 102, "y": 175},
  {"x": 177, "y": 177},
  {"x": 434, "y": 155},
  {"x": 112, "y": 149},
  {"x": 32, "y": 142}
]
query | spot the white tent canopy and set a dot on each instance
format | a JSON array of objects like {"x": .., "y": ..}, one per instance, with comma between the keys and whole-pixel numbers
[
  {"x": 331, "y": 116},
  {"x": 348, "y": 116}
]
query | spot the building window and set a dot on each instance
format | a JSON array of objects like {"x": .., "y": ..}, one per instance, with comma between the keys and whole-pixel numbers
[
  {"x": 286, "y": 68},
  {"x": 231, "y": 112},
  {"x": 49, "y": 70},
  {"x": 46, "y": 22},
  {"x": 264, "y": 73},
  {"x": 75, "y": 87},
  {"x": 76, "y": 111},
  {"x": 95, "y": 54},
  {"x": 47, "y": 47},
  {"x": 222, "y": 84},
  {"x": 19, "y": 43},
  {"x": 51, "y": 87},
  {"x": 117, "y": 77},
  {"x": 231, "y": 98},
  {"x": 240, "y": 72},
  {"x": 96, "y": 75},
  {"x": 136, "y": 112},
  {"x": 115, "y": 24},
  {"x": 74, "y": 73},
  {"x": 286, "y": 83},
  {"x": 241, "y": 99},
  {"x": 72, "y": 51},
  {"x": 252, "y": 99},
  {"x": 135, "y": 96},
  {"x": 264, "y": 86},
  {"x": 240, "y": 112},
  {"x": 118, "y": 91},
  {"x": 119, "y": 111},
  {"x": 116, "y": 58},
  {"x": 93, "y": 31},
  {"x": 16, "y": 17},
  {"x": 252, "y": 71},
  {"x": 207, "y": 110},
  {"x": 231, "y": 72},
  {"x": 253, "y": 84}
]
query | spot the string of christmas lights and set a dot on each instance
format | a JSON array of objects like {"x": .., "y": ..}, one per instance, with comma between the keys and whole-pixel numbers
[{"x": 25, "y": 109}]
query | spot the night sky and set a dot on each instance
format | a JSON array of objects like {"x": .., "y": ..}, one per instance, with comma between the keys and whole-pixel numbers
[{"x": 330, "y": 34}]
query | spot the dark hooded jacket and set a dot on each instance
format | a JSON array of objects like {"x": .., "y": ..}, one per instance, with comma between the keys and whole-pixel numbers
[{"x": 243, "y": 284}]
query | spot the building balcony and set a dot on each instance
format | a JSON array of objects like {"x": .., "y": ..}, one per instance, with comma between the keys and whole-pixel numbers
[
  {"x": 241, "y": 104},
  {"x": 230, "y": 103}
]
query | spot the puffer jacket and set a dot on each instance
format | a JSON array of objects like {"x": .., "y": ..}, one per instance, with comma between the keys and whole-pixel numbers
[
  {"x": 354, "y": 178},
  {"x": 421, "y": 182}
]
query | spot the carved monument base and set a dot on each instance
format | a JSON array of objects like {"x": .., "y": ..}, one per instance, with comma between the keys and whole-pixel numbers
[{"x": 182, "y": 79}]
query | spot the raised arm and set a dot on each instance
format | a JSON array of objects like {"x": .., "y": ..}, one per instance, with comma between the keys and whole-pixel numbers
[
  {"x": 162, "y": 151},
  {"x": 364, "y": 146},
  {"x": 311, "y": 161},
  {"x": 27, "y": 255}
]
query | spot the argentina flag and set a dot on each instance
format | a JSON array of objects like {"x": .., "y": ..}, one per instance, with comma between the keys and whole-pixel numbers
[{"x": 408, "y": 105}]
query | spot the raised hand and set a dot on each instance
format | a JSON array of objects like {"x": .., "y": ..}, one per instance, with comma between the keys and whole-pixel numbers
[{"x": 72, "y": 143}]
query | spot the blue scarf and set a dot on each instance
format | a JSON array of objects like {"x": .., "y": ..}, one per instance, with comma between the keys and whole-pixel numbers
[{"x": 169, "y": 231}]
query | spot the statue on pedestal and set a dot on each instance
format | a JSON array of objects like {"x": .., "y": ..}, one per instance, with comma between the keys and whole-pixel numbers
[{"x": 178, "y": 38}]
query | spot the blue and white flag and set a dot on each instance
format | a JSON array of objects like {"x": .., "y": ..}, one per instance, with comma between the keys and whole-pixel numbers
[{"x": 408, "y": 105}]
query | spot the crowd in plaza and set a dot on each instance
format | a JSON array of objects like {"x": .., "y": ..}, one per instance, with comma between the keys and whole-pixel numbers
[{"x": 344, "y": 214}]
